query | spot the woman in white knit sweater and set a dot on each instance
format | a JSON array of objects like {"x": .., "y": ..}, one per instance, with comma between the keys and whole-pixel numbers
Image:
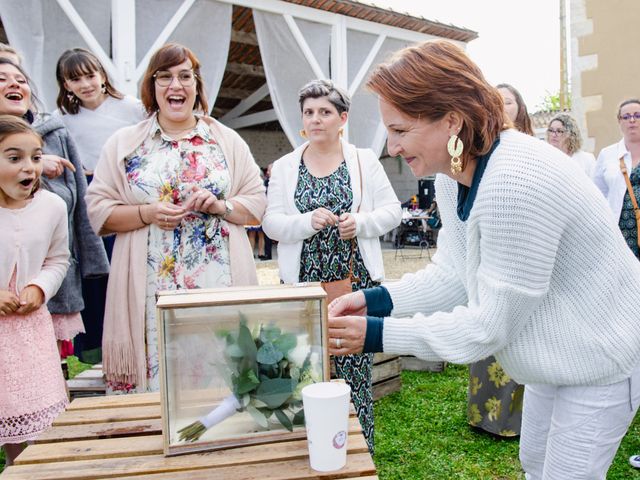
[{"x": 531, "y": 267}]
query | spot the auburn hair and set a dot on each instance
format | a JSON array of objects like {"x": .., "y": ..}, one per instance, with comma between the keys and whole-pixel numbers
[
  {"x": 433, "y": 78},
  {"x": 168, "y": 56}
]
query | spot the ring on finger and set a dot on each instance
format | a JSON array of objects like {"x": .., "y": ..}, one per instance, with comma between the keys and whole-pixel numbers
[
  {"x": 166, "y": 219},
  {"x": 338, "y": 343}
]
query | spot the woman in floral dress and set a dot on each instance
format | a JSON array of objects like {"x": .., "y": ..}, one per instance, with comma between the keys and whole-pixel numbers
[
  {"x": 177, "y": 189},
  {"x": 328, "y": 204}
]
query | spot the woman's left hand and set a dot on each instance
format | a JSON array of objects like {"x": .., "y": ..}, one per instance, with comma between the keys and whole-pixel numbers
[
  {"x": 202, "y": 200},
  {"x": 31, "y": 298},
  {"x": 346, "y": 335},
  {"x": 347, "y": 226}
]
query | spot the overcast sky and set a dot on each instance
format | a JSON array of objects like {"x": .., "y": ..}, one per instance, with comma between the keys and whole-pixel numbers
[{"x": 518, "y": 40}]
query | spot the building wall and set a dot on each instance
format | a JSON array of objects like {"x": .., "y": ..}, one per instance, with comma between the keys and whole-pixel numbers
[
  {"x": 266, "y": 145},
  {"x": 604, "y": 65}
]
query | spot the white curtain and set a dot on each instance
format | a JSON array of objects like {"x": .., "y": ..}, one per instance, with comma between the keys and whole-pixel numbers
[
  {"x": 41, "y": 31},
  {"x": 282, "y": 52}
]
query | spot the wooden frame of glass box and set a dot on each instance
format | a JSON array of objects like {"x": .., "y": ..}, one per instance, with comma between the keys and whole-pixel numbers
[{"x": 193, "y": 330}]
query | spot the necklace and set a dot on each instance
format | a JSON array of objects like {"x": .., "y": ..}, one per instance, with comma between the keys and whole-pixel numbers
[{"x": 179, "y": 131}]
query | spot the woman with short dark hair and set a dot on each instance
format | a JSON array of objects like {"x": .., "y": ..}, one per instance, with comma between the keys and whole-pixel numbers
[
  {"x": 328, "y": 204},
  {"x": 177, "y": 190},
  {"x": 514, "y": 275}
]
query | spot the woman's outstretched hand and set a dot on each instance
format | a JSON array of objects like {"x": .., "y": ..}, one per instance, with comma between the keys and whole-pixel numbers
[
  {"x": 347, "y": 324},
  {"x": 346, "y": 335},
  {"x": 350, "y": 304}
]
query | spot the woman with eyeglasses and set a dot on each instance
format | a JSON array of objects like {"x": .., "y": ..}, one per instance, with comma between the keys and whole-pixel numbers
[
  {"x": 564, "y": 134},
  {"x": 177, "y": 190},
  {"x": 617, "y": 175}
]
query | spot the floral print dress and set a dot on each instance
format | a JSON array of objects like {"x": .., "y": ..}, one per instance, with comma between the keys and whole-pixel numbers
[
  {"x": 196, "y": 253},
  {"x": 324, "y": 258}
]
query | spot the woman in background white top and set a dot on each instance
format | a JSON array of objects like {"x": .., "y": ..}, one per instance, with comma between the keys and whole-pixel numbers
[
  {"x": 609, "y": 178},
  {"x": 327, "y": 205},
  {"x": 92, "y": 110},
  {"x": 564, "y": 134}
]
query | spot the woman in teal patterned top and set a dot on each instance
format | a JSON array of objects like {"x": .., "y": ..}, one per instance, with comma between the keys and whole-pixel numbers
[
  {"x": 319, "y": 206},
  {"x": 609, "y": 179}
]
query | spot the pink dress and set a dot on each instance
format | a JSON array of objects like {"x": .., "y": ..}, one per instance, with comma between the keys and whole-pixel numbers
[{"x": 32, "y": 389}]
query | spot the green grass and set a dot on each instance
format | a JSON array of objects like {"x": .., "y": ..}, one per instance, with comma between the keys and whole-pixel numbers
[{"x": 422, "y": 434}]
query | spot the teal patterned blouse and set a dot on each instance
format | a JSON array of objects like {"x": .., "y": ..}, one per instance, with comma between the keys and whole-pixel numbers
[{"x": 627, "y": 221}]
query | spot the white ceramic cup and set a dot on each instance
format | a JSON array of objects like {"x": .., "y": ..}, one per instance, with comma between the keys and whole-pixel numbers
[{"x": 326, "y": 414}]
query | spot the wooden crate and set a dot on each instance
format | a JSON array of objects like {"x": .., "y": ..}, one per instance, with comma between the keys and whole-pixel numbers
[
  {"x": 412, "y": 363},
  {"x": 386, "y": 375},
  {"x": 88, "y": 383},
  {"x": 121, "y": 436}
]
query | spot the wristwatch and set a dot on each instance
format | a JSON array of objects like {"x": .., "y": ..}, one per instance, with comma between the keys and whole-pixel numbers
[{"x": 228, "y": 208}]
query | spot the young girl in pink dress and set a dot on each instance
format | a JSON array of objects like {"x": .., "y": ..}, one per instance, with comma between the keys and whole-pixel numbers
[{"x": 33, "y": 262}]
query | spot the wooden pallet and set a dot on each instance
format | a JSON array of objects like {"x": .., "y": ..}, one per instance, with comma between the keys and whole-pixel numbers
[
  {"x": 385, "y": 376},
  {"x": 120, "y": 436},
  {"x": 416, "y": 364}
]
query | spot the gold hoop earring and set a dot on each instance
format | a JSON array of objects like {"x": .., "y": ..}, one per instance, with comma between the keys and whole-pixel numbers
[
  {"x": 455, "y": 147},
  {"x": 303, "y": 133}
]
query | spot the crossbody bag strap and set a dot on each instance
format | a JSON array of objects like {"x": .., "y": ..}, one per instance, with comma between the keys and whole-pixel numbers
[
  {"x": 353, "y": 243},
  {"x": 636, "y": 210}
]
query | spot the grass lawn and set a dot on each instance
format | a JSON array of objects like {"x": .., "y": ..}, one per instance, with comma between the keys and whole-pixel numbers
[{"x": 422, "y": 434}]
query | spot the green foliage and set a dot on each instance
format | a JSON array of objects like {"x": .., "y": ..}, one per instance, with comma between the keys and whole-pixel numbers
[
  {"x": 263, "y": 378},
  {"x": 422, "y": 434},
  {"x": 551, "y": 103}
]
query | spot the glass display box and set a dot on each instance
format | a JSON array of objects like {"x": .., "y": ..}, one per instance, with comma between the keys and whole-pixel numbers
[{"x": 233, "y": 362}]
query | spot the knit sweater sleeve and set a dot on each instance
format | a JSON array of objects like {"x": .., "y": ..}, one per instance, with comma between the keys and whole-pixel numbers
[
  {"x": 56, "y": 262},
  {"x": 436, "y": 288},
  {"x": 508, "y": 268}
]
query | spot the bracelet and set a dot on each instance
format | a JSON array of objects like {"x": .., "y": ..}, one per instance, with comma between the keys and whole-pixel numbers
[{"x": 140, "y": 215}]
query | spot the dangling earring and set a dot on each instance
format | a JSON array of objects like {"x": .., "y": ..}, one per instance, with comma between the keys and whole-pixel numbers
[
  {"x": 341, "y": 132},
  {"x": 104, "y": 88},
  {"x": 71, "y": 97},
  {"x": 303, "y": 133},
  {"x": 455, "y": 147}
]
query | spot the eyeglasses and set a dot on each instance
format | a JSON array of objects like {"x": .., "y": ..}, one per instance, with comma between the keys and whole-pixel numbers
[
  {"x": 556, "y": 131},
  {"x": 186, "y": 78},
  {"x": 628, "y": 116}
]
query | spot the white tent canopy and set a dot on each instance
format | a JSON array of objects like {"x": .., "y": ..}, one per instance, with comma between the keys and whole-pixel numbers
[{"x": 297, "y": 44}]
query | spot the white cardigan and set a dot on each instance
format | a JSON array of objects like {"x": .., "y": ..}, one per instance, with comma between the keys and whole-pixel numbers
[
  {"x": 538, "y": 275},
  {"x": 380, "y": 210},
  {"x": 608, "y": 177}
]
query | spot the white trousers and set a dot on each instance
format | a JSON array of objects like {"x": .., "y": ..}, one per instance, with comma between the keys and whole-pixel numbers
[{"x": 574, "y": 432}]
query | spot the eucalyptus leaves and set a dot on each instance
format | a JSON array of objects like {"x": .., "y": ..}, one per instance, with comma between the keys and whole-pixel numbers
[{"x": 267, "y": 371}]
